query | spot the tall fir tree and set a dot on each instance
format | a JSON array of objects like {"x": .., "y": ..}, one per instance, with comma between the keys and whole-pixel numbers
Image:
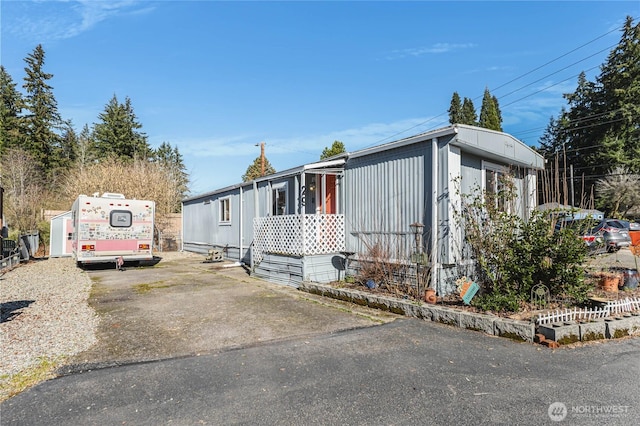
[
  {"x": 455, "y": 110},
  {"x": 489, "y": 116},
  {"x": 118, "y": 135},
  {"x": 86, "y": 153},
  {"x": 619, "y": 82},
  {"x": 581, "y": 129},
  {"x": 11, "y": 131},
  {"x": 550, "y": 141},
  {"x": 171, "y": 160},
  {"x": 497, "y": 106},
  {"x": 600, "y": 127},
  {"x": 42, "y": 118},
  {"x": 469, "y": 115},
  {"x": 68, "y": 146}
]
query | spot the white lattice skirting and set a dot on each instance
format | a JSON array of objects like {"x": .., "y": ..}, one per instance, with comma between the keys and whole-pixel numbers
[{"x": 298, "y": 235}]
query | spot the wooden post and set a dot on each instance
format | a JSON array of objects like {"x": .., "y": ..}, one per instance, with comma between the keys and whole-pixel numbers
[{"x": 261, "y": 158}]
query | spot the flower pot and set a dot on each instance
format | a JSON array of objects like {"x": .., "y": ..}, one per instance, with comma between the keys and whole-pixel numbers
[
  {"x": 430, "y": 296},
  {"x": 610, "y": 282}
]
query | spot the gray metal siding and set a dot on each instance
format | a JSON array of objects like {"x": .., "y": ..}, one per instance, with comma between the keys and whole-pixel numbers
[
  {"x": 292, "y": 270},
  {"x": 471, "y": 173},
  {"x": 384, "y": 193},
  {"x": 443, "y": 201},
  {"x": 197, "y": 219},
  {"x": 202, "y": 226}
]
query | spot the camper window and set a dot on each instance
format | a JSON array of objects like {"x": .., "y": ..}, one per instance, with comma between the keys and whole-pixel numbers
[{"x": 120, "y": 218}]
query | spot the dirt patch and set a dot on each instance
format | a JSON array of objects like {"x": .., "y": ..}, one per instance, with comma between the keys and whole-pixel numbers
[{"x": 182, "y": 306}]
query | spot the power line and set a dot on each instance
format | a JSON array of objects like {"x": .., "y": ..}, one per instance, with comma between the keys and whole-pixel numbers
[
  {"x": 517, "y": 78},
  {"x": 556, "y": 72},
  {"x": 558, "y": 58}
]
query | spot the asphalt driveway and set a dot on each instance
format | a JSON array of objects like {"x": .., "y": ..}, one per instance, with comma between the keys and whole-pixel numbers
[
  {"x": 407, "y": 372},
  {"x": 182, "y": 306}
]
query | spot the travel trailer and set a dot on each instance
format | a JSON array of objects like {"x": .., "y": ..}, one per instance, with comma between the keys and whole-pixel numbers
[{"x": 111, "y": 228}]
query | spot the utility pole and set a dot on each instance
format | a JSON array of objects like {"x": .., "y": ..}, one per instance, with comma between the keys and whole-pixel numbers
[{"x": 261, "y": 158}]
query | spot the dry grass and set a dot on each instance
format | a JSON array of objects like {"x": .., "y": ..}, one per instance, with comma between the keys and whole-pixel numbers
[{"x": 13, "y": 385}]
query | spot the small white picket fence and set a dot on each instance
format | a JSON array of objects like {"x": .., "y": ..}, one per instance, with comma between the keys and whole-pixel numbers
[{"x": 587, "y": 314}]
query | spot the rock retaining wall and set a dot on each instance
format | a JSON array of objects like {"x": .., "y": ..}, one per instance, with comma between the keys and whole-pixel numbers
[{"x": 489, "y": 324}]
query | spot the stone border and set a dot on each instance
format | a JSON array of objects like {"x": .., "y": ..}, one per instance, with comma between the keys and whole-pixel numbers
[{"x": 503, "y": 327}]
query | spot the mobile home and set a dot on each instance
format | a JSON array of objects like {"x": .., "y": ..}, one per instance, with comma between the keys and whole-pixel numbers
[
  {"x": 109, "y": 227},
  {"x": 318, "y": 221}
]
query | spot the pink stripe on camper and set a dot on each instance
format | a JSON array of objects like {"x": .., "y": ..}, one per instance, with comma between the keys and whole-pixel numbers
[{"x": 113, "y": 245}]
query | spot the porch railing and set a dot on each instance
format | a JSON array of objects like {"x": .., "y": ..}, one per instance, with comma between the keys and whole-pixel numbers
[{"x": 298, "y": 235}]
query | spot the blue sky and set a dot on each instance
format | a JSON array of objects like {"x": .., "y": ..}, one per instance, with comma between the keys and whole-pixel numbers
[{"x": 216, "y": 78}]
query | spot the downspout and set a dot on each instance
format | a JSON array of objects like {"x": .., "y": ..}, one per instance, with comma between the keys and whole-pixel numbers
[
  {"x": 324, "y": 193},
  {"x": 255, "y": 215},
  {"x": 434, "y": 215},
  {"x": 181, "y": 225},
  {"x": 303, "y": 209},
  {"x": 240, "y": 219}
]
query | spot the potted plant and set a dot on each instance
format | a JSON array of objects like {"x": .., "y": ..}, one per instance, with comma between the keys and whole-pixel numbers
[{"x": 608, "y": 281}]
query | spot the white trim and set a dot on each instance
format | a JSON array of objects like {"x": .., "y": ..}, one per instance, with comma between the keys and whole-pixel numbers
[
  {"x": 279, "y": 187},
  {"x": 434, "y": 214},
  {"x": 487, "y": 165},
  {"x": 221, "y": 202},
  {"x": 455, "y": 202}
]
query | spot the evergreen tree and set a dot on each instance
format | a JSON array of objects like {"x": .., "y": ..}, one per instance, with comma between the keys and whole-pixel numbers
[
  {"x": 86, "y": 153},
  {"x": 336, "y": 148},
  {"x": 10, "y": 109},
  {"x": 581, "y": 128},
  {"x": 497, "y": 106},
  {"x": 118, "y": 132},
  {"x": 489, "y": 116},
  {"x": 551, "y": 141},
  {"x": 255, "y": 170},
  {"x": 68, "y": 149},
  {"x": 455, "y": 110},
  {"x": 469, "y": 113},
  {"x": 619, "y": 84},
  {"x": 171, "y": 160},
  {"x": 42, "y": 116},
  {"x": 600, "y": 128}
]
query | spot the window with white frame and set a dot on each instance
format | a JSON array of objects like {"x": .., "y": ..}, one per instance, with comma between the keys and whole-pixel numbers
[
  {"x": 225, "y": 210},
  {"x": 497, "y": 185},
  {"x": 279, "y": 199}
]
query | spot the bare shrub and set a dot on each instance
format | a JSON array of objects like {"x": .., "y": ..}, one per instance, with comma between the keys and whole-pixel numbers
[
  {"x": 138, "y": 179},
  {"x": 24, "y": 190},
  {"x": 619, "y": 191}
]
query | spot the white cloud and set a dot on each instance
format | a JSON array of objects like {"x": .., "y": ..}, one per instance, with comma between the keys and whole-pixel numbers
[
  {"x": 433, "y": 49},
  {"x": 305, "y": 148},
  {"x": 63, "y": 19}
]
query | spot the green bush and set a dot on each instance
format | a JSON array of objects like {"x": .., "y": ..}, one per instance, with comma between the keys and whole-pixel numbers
[
  {"x": 497, "y": 302},
  {"x": 512, "y": 254}
]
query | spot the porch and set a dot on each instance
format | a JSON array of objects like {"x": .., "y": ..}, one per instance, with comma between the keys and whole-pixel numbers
[{"x": 290, "y": 249}]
